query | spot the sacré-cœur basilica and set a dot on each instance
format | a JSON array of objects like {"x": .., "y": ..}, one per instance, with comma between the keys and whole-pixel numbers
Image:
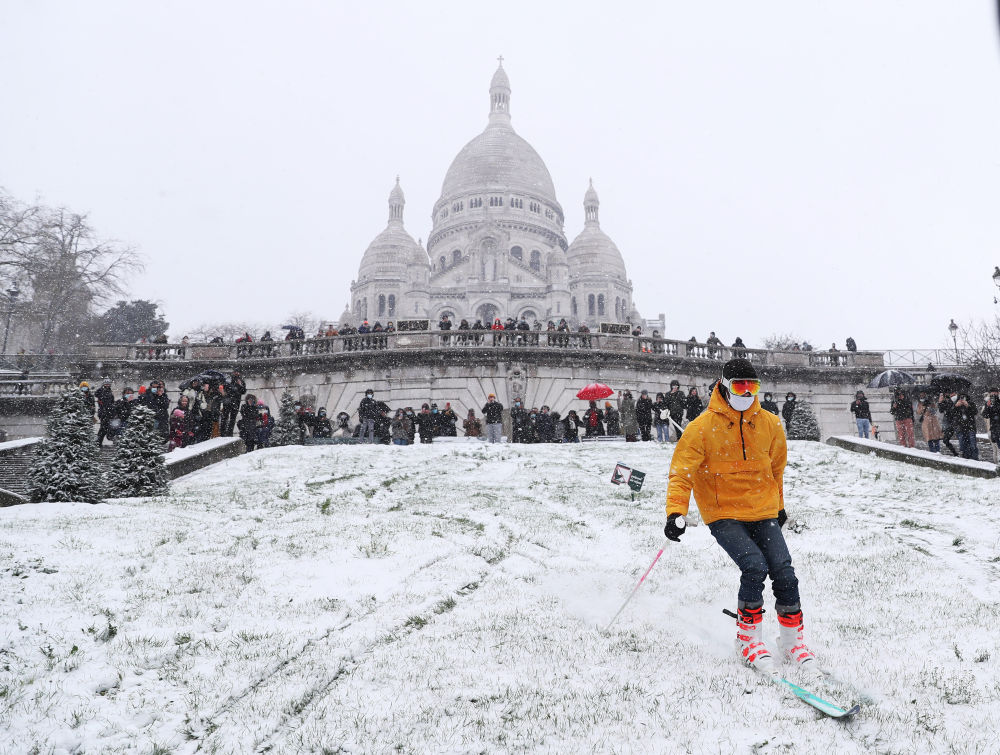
[{"x": 497, "y": 247}]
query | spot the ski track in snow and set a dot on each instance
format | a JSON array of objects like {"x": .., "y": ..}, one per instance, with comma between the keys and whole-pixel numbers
[{"x": 450, "y": 598}]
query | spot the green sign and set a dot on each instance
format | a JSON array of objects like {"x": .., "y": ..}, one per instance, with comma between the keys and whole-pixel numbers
[{"x": 635, "y": 480}]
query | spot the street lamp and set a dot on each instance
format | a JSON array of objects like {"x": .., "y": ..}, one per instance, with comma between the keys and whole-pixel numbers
[
  {"x": 996, "y": 279},
  {"x": 954, "y": 337},
  {"x": 12, "y": 293}
]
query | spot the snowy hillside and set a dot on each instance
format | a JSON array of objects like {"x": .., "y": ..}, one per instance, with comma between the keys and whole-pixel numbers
[{"x": 450, "y": 599}]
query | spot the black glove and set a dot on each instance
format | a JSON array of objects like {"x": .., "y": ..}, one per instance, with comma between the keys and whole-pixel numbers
[
  {"x": 782, "y": 518},
  {"x": 675, "y": 527}
]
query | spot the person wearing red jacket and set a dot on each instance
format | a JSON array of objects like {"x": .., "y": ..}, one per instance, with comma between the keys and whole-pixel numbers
[{"x": 732, "y": 457}]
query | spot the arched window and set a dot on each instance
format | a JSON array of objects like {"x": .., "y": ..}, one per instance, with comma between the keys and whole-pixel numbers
[
  {"x": 381, "y": 305},
  {"x": 529, "y": 315},
  {"x": 392, "y": 305},
  {"x": 600, "y": 305},
  {"x": 536, "y": 259},
  {"x": 618, "y": 308},
  {"x": 456, "y": 256},
  {"x": 591, "y": 311},
  {"x": 572, "y": 306},
  {"x": 442, "y": 263},
  {"x": 517, "y": 253}
]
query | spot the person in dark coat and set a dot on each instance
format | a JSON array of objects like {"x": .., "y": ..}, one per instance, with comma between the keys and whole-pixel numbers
[
  {"x": 105, "y": 410},
  {"x": 788, "y": 410},
  {"x": 383, "y": 424},
  {"x": 323, "y": 427},
  {"x": 121, "y": 411},
  {"x": 411, "y": 425},
  {"x": 901, "y": 409},
  {"x": 571, "y": 427},
  {"x": 612, "y": 419},
  {"x": 247, "y": 424},
  {"x": 693, "y": 406},
  {"x": 426, "y": 424},
  {"x": 449, "y": 422},
  {"x": 265, "y": 424},
  {"x": 236, "y": 387},
  {"x": 545, "y": 426},
  {"x": 472, "y": 425},
  {"x": 493, "y": 419},
  {"x": 159, "y": 403},
  {"x": 593, "y": 421},
  {"x": 965, "y": 420},
  {"x": 851, "y": 345},
  {"x": 519, "y": 422},
  {"x": 862, "y": 414},
  {"x": 768, "y": 404},
  {"x": 677, "y": 404},
  {"x": 644, "y": 414},
  {"x": 946, "y": 405},
  {"x": 367, "y": 412}
]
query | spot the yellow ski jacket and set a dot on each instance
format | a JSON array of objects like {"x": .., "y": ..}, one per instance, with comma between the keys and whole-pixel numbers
[{"x": 733, "y": 461}]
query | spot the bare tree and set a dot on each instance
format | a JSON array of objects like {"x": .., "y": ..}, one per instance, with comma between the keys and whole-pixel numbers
[
  {"x": 227, "y": 331},
  {"x": 981, "y": 346},
  {"x": 305, "y": 320},
  {"x": 781, "y": 341},
  {"x": 63, "y": 267}
]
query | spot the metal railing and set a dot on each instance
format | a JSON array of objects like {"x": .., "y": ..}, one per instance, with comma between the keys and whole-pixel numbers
[
  {"x": 923, "y": 357},
  {"x": 475, "y": 339}
]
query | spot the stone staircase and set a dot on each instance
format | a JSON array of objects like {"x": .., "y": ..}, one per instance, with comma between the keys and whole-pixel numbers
[{"x": 14, "y": 469}]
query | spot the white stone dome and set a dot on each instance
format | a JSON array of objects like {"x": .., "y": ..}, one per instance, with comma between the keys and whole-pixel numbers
[
  {"x": 594, "y": 254},
  {"x": 498, "y": 159},
  {"x": 392, "y": 250}
]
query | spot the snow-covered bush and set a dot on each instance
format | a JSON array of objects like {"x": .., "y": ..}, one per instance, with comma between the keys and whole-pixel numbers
[
  {"x": 804, "y": 425},
  {"x": 137, "y": 468},
  {"x": 286, "y": 425},
  {"x": 66, "y": 466}
]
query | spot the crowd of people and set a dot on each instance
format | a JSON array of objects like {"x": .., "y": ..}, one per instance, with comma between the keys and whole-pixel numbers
[
  {"x": 941, "y": 418},
  {"x": 205, "y": 408}
]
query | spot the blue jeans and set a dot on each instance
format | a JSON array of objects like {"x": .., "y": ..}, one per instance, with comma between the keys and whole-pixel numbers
[
  {"x": 864, "y": 427},
  {"x": 368, "y": 430},
  {"x": 967, "y": 444},
  {"x": 662, "y": 433},
  {"x": 399, "y": 441},
  {"x": 934, "y": 446},
  {"x": 759, "y": 549}
]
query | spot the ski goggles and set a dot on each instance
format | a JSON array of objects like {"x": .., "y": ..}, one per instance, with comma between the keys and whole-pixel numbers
[{"x": 742, "y": 386}]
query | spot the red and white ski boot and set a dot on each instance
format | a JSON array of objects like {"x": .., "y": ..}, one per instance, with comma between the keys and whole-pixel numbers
[
  {"x": 750, "y": 640},
  {"x": 791, "y": 641}
]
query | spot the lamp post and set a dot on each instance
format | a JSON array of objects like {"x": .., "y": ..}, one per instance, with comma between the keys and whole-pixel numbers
[
  {"x": 996, "y": 279},
  {"x": 12, "y": 293},
  {"x": 954, "y": 337}
]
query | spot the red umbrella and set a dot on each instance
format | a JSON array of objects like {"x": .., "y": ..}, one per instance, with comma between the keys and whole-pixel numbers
[{"x": 594, "y": 391}]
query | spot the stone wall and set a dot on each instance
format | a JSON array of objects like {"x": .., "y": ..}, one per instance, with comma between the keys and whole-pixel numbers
[{"x": 464, "y": 377}]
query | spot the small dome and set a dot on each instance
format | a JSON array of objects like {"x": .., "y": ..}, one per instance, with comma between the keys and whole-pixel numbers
[
  {"x": 593, "y": 253},
  {"x": 419, "y": 255},
  {"x": 346, "y": 317},
  {"x": 557, "y": 257},
  {"x": 390, "y": 252}
]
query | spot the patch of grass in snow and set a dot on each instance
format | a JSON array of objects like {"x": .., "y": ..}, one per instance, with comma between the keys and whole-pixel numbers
[
  {"x": 324, "y": 508},
  {"x": 283, "y": 495},
  {"x": 915, "y": 525},
  {"x": 388, "y": 483},
  {"x": 445, "y": 605},
  {"x": 182, "y": 638},
  {"x": 376, "y": 547},
  {"x": 415, "y": 622},
  {"x": 958, "y": 541}
]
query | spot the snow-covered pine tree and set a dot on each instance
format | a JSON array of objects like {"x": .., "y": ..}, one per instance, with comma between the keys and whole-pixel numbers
[
  {"x": 286, "y": 425},
  {"x": 804, "y": 425},
  {"x": 66, "y": 466},
  {"x": 137, "y": 468}
]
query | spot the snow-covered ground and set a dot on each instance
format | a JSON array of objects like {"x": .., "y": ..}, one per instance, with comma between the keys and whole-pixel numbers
[{"x": 451, "y": 598}]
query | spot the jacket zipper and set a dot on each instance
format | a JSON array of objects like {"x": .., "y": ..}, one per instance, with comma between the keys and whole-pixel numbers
[{"x": 742, "y": 442}]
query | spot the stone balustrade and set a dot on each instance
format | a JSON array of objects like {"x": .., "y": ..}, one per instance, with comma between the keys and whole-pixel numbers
[
  {"x": 37, "y": 386},
  {"x": 474, "y": 339}
]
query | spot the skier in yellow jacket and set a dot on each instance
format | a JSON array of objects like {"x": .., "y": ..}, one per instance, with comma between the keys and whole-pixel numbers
[{"x": 732, "y": 457}]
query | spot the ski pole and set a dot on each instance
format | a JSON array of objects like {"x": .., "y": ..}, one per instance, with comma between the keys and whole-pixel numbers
[{"x": 636, "y": 588}]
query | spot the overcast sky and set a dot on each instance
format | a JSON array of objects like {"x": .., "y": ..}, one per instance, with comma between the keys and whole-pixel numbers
[{"x": 825, "y": 168}]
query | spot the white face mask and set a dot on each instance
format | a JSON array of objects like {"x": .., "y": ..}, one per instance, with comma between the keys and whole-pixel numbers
[{"x": 740, "y": 403}]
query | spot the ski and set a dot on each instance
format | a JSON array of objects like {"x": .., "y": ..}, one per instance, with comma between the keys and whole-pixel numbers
[
  {"x": 817, "y": 702},
  {"x": 809, "y": 698}
]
